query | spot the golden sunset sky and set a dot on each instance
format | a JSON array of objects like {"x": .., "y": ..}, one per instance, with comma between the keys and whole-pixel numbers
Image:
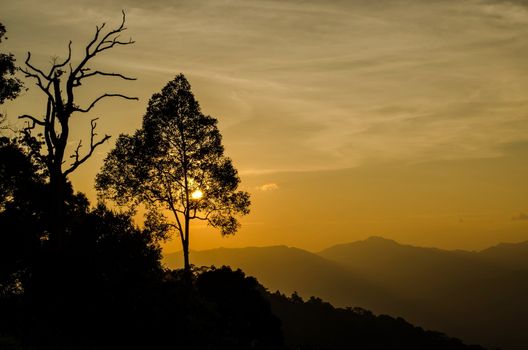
[{"x": 406, "y": 119}]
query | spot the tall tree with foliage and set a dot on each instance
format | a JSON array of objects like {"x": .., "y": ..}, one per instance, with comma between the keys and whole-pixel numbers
[
  {"x": 176, "y": 164},
  {"x": 59, "y": 83}
]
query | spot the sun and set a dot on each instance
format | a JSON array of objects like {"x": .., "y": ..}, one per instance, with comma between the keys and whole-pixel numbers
[{"x": 197, "y": 194}]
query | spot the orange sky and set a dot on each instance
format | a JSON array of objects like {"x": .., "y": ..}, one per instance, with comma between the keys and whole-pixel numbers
[{"x": 404, "y": 119}]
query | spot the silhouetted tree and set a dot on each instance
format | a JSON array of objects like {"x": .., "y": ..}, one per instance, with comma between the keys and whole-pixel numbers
[
  {"x": 9, "y": 85},
  {"x": 245, "y": 317},
  {"x": 22, "y": 214},
  {"x": 176, "y": 163},
  {"x": 98, "y": 301},
  {"x": 60, "y": 84},
  {"x": 95, "y": 294}
]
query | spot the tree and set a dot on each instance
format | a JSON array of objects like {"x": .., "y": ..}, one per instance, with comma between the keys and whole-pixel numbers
[
  {"x": 21, "y": 214},
  {"x": 246, "y": 320},
  {"x": 9, "y": 85},
  {"x": 59, "y": 84},
  {"x": 175, "y": 163}
]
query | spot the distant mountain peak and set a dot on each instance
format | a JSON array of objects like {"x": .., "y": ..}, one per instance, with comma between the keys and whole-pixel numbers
[
  {"x": 507, "y": 245},
  {"x": 372, "y": 241},
  {"x": 379, "y": 239}
]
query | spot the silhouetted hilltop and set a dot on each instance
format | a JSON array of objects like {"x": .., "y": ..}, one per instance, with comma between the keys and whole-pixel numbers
[
  {"x": 510, "y": 255},
  {"x": 404, "y": 268},
  {"x": 315, "y": 324},
  {"x": 476, "y": 296},
  {"x": 466, "y": 294},
  {"x": 292, "y": 269}
]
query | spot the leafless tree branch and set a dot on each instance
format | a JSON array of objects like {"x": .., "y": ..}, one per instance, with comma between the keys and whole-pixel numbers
[
  {"x": 38, "y": 76},
  {"x": 67, "y": 60},
  {"x": 77, "y": 159},
  {"x": 108, "y": 74},
  {"x": 86, "y": 110},
  {"x": 28, "y": 58},
  {"x": 33, "y": 119}
]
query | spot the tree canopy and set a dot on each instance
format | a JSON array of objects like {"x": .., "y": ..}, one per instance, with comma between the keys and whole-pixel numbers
[
  {"x": 10, "y": 86},
  {"x": 175, "y": 163}
]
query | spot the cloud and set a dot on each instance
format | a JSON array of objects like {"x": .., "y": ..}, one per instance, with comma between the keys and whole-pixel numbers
[
  {"x": 520, "y": 217},
  {"x": 311, "y": 85},
  {"x": 268, "y": 187}
]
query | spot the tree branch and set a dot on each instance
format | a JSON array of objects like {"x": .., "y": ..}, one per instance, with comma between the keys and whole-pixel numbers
[
  {"x": 93, "y": 145},
  {"x": 77, "y": 80},
  {"x": 31, "y": 142},
  {"x": 28, "y": 74},
  {"x": 33, "y": 119},
  {"x": 91, "y": 51},
  {"x": 113, "y": 41},
  {"x": 34, "y": 68},
  {"x": 67, "y": 60},
  {"x": 94, "y": 40},
  {"x": 86, "y": 110},
  {"x": 206, "y": 217},
  {"x": 177, "y": 217}
]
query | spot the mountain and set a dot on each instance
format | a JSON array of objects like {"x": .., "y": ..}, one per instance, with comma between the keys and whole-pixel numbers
[
  {"x": 290, "y": 270},
  {"x": 315, "y": 324},
  {"x": 476, "y": 296},
  {"x": 509, "y": 255}
]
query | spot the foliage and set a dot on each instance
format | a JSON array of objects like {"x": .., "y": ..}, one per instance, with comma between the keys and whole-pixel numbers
[
  {"x": 106, "y": 288},
  {"x": 10, "y": 86},
  {"x": 23, "y": 213},
  {"x": 245, "y": 319},
  {"x": 174, "y": 156},
  {"x": 315, "y": 324},
  {"x": 92, "y": 292}
]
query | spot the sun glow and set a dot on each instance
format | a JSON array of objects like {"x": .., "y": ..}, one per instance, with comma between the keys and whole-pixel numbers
[{"x": 197, "y": 194}]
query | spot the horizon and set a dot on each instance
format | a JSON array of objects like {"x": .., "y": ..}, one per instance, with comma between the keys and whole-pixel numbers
[
  {"x": 346, "y": 120},
  {"x": 352, "y": 242}
]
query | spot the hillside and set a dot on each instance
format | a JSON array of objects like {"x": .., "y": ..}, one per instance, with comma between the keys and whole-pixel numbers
[
  {"x": 509, "y": 255},
  {"x": 476, "y": 296},
  {"x": 315, "y": 324},
  {"x": 468, "y": 294},
  {"x": 291, "y": 269}
]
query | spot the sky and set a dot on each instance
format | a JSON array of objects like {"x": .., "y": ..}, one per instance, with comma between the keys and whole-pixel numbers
[{"x": 405, "y": 119}]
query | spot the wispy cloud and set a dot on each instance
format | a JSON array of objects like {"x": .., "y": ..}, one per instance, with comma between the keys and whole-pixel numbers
[
  {"x": 268, "y": 187},
  {"x": 319, "y": 85}
]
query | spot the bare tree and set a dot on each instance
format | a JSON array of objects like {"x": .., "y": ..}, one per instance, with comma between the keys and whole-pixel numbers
[{"x": 59, "y": 84}]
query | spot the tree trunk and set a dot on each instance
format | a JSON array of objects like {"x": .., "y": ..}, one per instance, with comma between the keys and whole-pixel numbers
[
  {"x": 186, "y": 264},
  {"x": 58, "y": 217}
]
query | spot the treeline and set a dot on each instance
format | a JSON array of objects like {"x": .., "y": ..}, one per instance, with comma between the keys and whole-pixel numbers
[
  {"x": 315, "y": 324},
  {"x": 106, "y": 288}
]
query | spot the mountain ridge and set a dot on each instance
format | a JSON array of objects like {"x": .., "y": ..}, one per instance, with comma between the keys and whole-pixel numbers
[
  {"x": 374, "y": 238},
  {"x": 477, "y": 296}
]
